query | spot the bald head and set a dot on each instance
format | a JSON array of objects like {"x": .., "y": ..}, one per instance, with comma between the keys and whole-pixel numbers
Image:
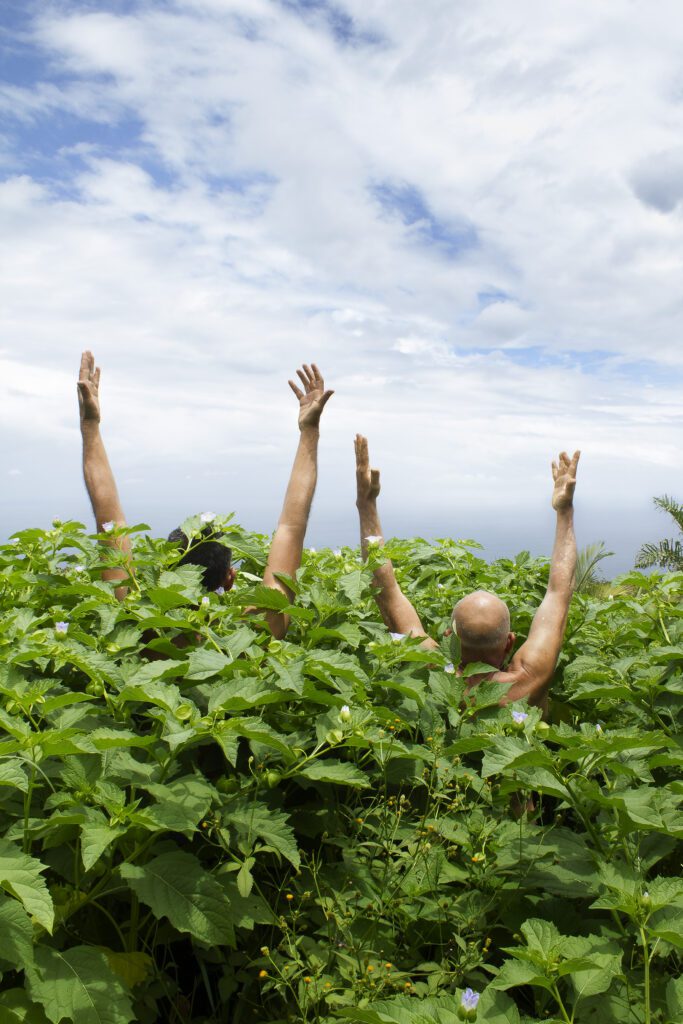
[{"x": 482, "y": 623}]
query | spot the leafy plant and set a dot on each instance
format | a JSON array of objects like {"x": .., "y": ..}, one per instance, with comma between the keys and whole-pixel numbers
[
  {"x": 201, "y": 823},
  {"x": 668, "y": 554}
]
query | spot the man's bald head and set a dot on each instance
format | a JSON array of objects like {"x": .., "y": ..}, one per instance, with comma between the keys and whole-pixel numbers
[{"x": 482, "y": 623}]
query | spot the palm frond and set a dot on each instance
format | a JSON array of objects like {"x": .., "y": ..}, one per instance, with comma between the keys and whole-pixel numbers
[
  {"x": 667, "y": 554},
  {"x": 586, "y": 575},
  {"x": 673, "y": 507}
]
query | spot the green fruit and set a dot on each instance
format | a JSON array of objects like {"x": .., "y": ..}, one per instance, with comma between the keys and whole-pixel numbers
[
  {"x": 227, "y": 785},
  {"x": 273, "y": 778}
]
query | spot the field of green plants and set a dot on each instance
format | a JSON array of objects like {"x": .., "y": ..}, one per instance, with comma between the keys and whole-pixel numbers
[{"x": 237, "y": 829}]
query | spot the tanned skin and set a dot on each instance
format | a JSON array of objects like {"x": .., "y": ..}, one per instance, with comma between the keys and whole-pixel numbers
[
  {"x": 531, "y": 669},
  {"x": 99, "y": 479},
  {"x": 287, "y": 546},
  {"x": 288, "y": 542}
]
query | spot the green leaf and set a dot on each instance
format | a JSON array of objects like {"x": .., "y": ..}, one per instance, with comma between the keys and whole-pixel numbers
[
  {"x": 254, "y": 820},
  {"x": 16, "y": 933},
  {"x": 96, "y": 835},
  {"x": 335, "y": 771},
  {"x": 516, "y": 972},
  {"x": 180, "y": 806},
  {"x": 79, "y": 985},
  {"x": 132, "y": 968},
  {"x": 17, "y": 1008},
  {"x": 174, "y": 885},
  {"x": 21, "y": 876}
]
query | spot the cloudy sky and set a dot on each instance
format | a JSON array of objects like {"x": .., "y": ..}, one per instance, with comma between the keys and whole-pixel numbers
[{"x": 468, "y": 214}]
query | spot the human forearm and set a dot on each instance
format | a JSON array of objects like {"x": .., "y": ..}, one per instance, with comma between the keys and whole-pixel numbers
[
  {"x": 388, "y": 594},
  {"x": 99, "y": 479},
  {"x": 302, "y": 482},
  {"x": 563, "y": 558}
]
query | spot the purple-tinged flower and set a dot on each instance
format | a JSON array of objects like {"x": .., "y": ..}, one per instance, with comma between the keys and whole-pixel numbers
[
  {"x": 61, "y": 627},
  {"x": 519, "y": 717},
  {"x": 337, "y": 552},
  {"x": 108, "y": 527},
  {"x": 220, "y": 591},
  {"x": 205, "y": 601},
  {"x": 79, "y": 568},
  {"x": 598, "y": 728},
  {"x": 450, "y": 668},
  {"x": 469, "y": 1000},
  {"x": 311, "y": 551},
  {"x": 397, "y": 636},
  {"x": 207, "y": 517}
]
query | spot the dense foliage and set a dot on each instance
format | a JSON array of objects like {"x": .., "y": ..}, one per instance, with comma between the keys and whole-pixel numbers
[{"x": 224, "y": 827}]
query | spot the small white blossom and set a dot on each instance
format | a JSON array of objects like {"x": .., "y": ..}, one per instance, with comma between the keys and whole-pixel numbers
[
  {"x": 61, "y": 627},
  {"x": 397, "y": 636},
  {"x": 311, "y": 551},
  {"x": 450, "y": 667},
  {"x": 220, "y": 591},
  {"x": 375, "y": 539},
  {"x": 345, "y": 713},
  {"x": 598, "y": 728},
  {"x": 337, "y": 552},
  {"x": 519, "y": 717},
  {"x": 79, "y": 568},
  {"x": 207, "y": 517},
  {"x": 205, "y": 600},
  {"x": 108, "y": 527},
  {"x": 439, "y": 586}
]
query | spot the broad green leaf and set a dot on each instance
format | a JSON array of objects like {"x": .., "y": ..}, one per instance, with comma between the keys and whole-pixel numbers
[
  {"x": 253, "y": 820},
  {"x": 174, "y": 885},
  {"x": 21, "y": 875},
  {"x": 132, "y": 968},
  {"x": 16, "y": 933},
  {"x": 16, "y": 1007},
  {"x": 335, "y": 771},
  {"x": 96, "y": 835},
  {"x": 79, "y": 985},
  {"x": 517, "y": 972}
]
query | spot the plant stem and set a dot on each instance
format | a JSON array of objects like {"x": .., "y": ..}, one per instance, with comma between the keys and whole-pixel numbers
[
  {"x": 558, "y": 999},
  {"x": 646, "y": 970}
]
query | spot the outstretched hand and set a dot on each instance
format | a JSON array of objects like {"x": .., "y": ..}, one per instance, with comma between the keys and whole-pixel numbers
[
  {"x": 314, "y": 398},
  {"x": 89, "y": 389},
  {"x": 367, "y": 480},
  {"x": 564, "y": 475}
]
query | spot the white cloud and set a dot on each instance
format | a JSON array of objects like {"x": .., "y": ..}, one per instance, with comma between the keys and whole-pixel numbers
[{"x": 232, "y": 229}]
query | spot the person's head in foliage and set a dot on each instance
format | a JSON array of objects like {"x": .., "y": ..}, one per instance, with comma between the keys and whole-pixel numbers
[
  {"x": 209, "y": 554},
  {"x": 482, "y": 624}
]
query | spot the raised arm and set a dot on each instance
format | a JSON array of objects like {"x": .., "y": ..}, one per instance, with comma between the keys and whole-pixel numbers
[
  {"x": 99, "y": 479},
  {"x": 396, "y": 610},
  {"x": 288, "y": 542},
  {"x": 536, "y": 659}
]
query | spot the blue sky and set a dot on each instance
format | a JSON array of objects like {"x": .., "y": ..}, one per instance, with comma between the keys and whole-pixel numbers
[{"x": 471, "y": 219}]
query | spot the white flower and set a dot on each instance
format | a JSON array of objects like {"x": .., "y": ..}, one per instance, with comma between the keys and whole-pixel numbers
[
  {"x": 374, "y": 539},
  {"x": 79, "y": 568},
  {"x": 439, "y": 586},
  {"x": 205, "y": 600},
  {"x": 397, "y": 636},
  {"x": 337, "y": 552},
  {"x": 108, "y": 527},
  {"x": 61, "y": 627},
  {"x": 450, "y": 667},
  {"x": 519, "y": 717},
  {"x": 598, "y": 728},
  {"x": 311, "y": 551},
  {"x": 220, "y": 591},
  {"x": 345, "y": 713},
  {"x": 207, "y": 517}
]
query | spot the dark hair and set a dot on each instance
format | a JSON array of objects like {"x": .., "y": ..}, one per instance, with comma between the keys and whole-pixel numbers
[{"x": 212, "y": 557}]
